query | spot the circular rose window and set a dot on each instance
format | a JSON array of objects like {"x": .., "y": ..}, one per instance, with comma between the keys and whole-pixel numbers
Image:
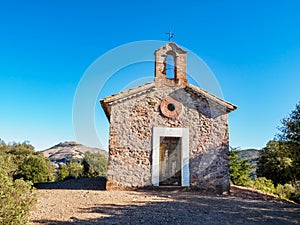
[{"x": 171, "y": 108}]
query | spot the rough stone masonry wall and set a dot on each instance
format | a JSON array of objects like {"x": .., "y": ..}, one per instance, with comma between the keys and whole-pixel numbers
[{"x": 131, "y": 136}]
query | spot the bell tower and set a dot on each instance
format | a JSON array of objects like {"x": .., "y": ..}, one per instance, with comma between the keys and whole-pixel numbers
[{"x": 161, "y": 66}]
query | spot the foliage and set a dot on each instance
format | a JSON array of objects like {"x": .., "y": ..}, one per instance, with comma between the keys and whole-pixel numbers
[
  {"x": 240, "y": 169},
  {"x": 290, "y": 130},
  {"x": 70, "y": 171},
  {"x": 16, "y": 196},
  {"x": 290, "y": 135},
  {"x": 263, "y": 184},
  {"x": 75, "y": 169},
  {"x": 62, "y": 173},
  {"x": 295, "y": 196},
  {"x": 36, "y": 168},
  {"x": 26, "y": 163},
  {"x": 275, "y": 164},
  {"x": 285, "y": 191},
  {"x": 280, "y": 159},
  {"x": 94, "y": 164},
  {"x": 6, "y": 160}
]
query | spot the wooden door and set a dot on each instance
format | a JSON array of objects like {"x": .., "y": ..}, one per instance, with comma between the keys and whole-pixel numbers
[{"x": 170, "y": 161}]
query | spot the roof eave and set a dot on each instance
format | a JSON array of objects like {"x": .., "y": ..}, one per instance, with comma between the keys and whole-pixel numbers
[
  {"x": 105, "y": 108},
  {"x": 109, "y": 100},
  {"x": 229, "y": 106}
]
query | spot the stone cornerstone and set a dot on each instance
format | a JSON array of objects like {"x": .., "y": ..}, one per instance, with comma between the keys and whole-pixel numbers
[{"x": 168, "y": 132}]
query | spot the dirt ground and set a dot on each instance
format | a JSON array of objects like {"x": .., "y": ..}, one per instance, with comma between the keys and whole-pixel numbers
[{"x": 85, "y": 202}]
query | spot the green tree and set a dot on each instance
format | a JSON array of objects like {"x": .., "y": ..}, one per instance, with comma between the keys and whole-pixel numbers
[
  {"x": 274, "y": 163},
  {"x": 94, "y": 164},
  {"x": 75, "y": 169},
  {"x": 280, "y": 159},
  {"x": 290, "y": 129},
  {"x": 62, "y": 173},
  {"x": 19, "y": 151},
  {"x": 240, "y": 169},
  {"x": 26, "y": 163},
  {"x": 36, "y": 168},
  {"x": 290, "y": 136}
]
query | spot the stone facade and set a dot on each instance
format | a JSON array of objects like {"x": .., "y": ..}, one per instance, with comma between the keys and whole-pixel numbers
[{"x": 168, "y": 103}]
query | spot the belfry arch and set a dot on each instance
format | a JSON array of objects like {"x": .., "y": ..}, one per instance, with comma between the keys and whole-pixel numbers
[
  {"x": 170, "y": 65},
  {"x": 179, "y": 56}
]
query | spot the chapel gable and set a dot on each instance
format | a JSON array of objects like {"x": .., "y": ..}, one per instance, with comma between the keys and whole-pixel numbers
[{"x": 168, "y": 132}]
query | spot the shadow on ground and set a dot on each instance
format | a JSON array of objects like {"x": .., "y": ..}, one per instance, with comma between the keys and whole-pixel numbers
[
  {"x": 188, "y": 208},
  {"x": 95, "y": 183}
]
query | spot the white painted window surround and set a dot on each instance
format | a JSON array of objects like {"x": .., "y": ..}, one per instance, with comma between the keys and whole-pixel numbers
[{"x": 171, "y": 132}]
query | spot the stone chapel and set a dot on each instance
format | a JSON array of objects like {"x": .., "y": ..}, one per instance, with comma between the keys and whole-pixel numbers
[{"x": 168, "y": 132}]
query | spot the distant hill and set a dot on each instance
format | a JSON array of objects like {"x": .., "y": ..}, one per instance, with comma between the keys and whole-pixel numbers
[
  {"x": 253, "y": 156},
  {"x": 250, "y": 154},
  {"x": 69, "y": 151}
]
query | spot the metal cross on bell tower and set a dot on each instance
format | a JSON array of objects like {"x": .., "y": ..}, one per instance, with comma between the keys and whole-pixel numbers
[{"x": 171, "y": 35}]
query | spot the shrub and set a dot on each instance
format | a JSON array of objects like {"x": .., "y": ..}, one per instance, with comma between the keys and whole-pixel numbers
[
  {"x": 296, "y": 195},
  {"x": 264, "y": 185},
  {"x": 16, "y": 198},
  {"x": 285, "y": 191},
  {"x": 36, "y": 168}
]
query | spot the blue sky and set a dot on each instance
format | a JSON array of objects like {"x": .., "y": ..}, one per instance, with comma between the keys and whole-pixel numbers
[{"x": 252, "y": 47}]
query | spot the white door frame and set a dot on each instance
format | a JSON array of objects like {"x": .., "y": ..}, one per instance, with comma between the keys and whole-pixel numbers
[{"x": 158, "y": 132}]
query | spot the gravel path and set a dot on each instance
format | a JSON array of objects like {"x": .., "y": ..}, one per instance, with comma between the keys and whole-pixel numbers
[{"x": 64, "y": 204}]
